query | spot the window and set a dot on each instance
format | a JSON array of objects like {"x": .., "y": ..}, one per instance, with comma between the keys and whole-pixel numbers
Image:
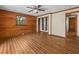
[
  {"x": 42, "y": 23},
  {"x": 20, "y": 20}
]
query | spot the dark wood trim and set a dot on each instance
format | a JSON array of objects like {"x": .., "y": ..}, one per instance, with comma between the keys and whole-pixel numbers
[
  {"x": 76, "y": 24},
  {"x": 72, "y": 12},
  {"x": 57, "y": 36},
  {"x": 61, "y": 11},
  {"x": 19, "y": 14},
  {"x": 65, "y": 26}
]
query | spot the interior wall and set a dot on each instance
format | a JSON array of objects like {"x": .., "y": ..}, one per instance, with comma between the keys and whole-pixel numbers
[
  {"x": 50, "y": 24},
  {"x": 58, "y": 24},
  {"x": 78, "y": 24},
  {"x": 8, "y": 25},
  {"x": 67, "y": 24}
]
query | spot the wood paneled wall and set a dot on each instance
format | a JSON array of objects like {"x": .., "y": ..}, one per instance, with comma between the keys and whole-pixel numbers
[{"x": 8, "y": 25}]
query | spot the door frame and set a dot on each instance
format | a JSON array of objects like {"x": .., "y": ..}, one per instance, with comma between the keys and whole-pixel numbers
[
  {"x": 75, "y": 22},
  {"x": 38, "y": 26}
]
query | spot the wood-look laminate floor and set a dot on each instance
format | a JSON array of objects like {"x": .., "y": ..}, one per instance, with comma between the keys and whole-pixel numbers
[{"x": 40, "y": 43}]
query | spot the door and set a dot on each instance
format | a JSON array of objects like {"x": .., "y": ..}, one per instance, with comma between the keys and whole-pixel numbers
[
  {"x": 38, "y": 24},
  {"x": 44, "y": 24},
  {"x": 71, "y": 26}
]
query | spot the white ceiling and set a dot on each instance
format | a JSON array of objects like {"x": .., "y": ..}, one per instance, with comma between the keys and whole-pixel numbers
[{"x": 23, "y": 9}]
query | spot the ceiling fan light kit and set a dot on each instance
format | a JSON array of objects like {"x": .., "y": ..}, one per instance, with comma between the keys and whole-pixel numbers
[
  {"x": 36, "y": 8},
  {"x": 36, "y": 11}
]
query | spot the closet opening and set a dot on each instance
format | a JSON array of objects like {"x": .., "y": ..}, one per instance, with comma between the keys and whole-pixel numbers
[{"x": 71, "y": 25}]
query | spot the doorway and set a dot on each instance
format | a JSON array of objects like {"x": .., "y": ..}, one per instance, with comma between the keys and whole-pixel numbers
[
  {"x": 71, "y": 25},
  {"x": 43, "y": 24}
]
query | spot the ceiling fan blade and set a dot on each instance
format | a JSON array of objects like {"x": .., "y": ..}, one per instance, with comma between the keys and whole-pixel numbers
[
  {"x": 39, "y": 6},
  {"x": 29, "y": 7},
  {"x": 30, "y": 11},
  {"x": 36, "y": 12},
  {"x": 41, "y": 10}
]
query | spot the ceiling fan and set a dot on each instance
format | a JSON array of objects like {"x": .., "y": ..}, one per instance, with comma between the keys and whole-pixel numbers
[{"x": 36, "y": 8}]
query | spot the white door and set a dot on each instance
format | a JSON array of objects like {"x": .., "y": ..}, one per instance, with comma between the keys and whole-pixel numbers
[{"x": 44, "y": 24}]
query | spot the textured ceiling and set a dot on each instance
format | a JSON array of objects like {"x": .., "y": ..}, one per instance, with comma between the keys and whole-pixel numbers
[{"x": 23, "y": 9}]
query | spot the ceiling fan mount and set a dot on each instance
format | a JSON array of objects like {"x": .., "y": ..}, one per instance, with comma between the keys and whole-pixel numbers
[{"x": 36, "y": 8}]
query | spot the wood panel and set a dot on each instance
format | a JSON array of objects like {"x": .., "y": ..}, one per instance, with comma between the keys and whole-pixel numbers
[{"x": 8, "y": 24}]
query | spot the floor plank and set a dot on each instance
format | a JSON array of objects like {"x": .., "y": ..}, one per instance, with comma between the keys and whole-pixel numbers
[{"x": 39, "y": 43}]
